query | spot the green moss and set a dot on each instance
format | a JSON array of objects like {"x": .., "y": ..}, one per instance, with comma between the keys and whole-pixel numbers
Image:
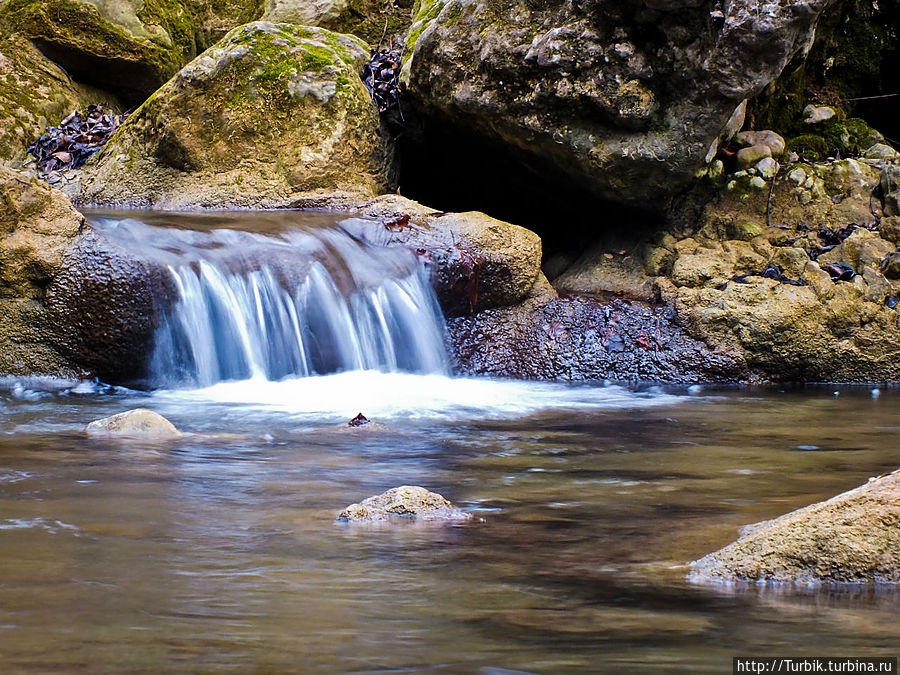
[
  {"x": 316, "y": 58},
  {"x": 808, "y": 146}
]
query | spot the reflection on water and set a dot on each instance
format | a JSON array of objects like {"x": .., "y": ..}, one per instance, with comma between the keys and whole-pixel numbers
[{"x": 220, "y": 553}]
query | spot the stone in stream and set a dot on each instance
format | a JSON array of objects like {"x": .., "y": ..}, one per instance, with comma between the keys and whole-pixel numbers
[
  {"x": 853, "y": 537},
  {"x": 138, "y": 422},
  {"x": 409, "y": 502}
]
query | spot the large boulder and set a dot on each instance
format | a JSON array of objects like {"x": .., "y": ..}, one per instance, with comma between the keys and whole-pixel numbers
[
  {"x": 271, "y": 115},
  {"x": 34, "y": 93},
  {"x": 407, "y": 502},
  {"x": 128, "y": 46},
  {"x": 37, "y": 225},
  {"x": 375, "y": 22},
  {"x": 854, "y": 537},
  {"x": 139, "y": 422},
  {"x": 624, "y": 99}
]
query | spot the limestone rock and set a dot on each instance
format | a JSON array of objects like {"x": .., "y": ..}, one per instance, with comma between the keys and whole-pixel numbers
[
  {"x": 127, "y": 45},
  {"x": 747, "y": 157},
  {"x": 272, "y": 114},
  {"x": 853, "y": 537},
  {"x": 305, "y": 12},
  {"x": 371, "y": 20},
  {"x": 773, "y": 141},
  {"x": 404, "y": 502},
  {"x": 37, "y": 225},
  {"x": 138, "y": 422},
  {"x": 881, "y": 151},
  {"x": 478, "y": 262},
  {"x": 767, "y": 168},
  {"x": 816, "y": 114},
  {"x": 582, "y": 93}
]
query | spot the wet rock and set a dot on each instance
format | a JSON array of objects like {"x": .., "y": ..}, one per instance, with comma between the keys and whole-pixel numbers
[
  {"x": 816, "y": 114},
  {"x": 890, "y": 266},
  {"x": 853, "y": 537},
  {"x": 478, "y": 262},
  {"x": 270, "y": 116},
  {"x": 405, "y": 502},
  {"x": 584, "y": 94},
  {"x": 747, "y": 157},
  {"x": 138, "y": 422},
  {"x": 126, "y": 46},
  {"x": 358, "y": 425},
  {"x": 578, "y": 338},
  {"x": 770, "y": 139},
  {"x": 37, "y": 226}
]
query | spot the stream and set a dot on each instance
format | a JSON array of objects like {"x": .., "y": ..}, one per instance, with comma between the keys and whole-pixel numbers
[{"x": 219, "y": 551}]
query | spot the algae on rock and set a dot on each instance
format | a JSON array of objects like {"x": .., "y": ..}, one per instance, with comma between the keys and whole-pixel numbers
[{"x": 274, "y": 114}]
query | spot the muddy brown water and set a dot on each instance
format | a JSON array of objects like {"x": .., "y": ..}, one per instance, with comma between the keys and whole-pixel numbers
[{"x": 219, "y": 553}]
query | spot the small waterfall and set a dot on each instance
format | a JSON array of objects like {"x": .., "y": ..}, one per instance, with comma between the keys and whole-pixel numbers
[{"x": 290, "y": 303}]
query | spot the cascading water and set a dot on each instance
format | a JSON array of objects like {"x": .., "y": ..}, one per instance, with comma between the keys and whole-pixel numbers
[{"x": 284, "y": 302}]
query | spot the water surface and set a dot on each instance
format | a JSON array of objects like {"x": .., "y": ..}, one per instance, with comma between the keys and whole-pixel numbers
[{"x": 218, "y": 552}]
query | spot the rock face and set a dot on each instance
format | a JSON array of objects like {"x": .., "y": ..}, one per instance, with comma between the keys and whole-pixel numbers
[
  {"x": 626, "y": 99},
  {"x": 373, "y": 21},
  {"x": 129, "y": 46},
  {"x": 808, "y": 296},
  {"x": 37, "y": 225},
  {"x": 34, "y": 93},
  {"x": 854, "y": 537},
  {"x": 272, "y": 115},
  {"x": 138, "y": 422},
  {"x": 404, "y": 502}
]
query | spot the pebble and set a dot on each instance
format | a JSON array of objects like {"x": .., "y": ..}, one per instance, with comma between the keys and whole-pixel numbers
[{"x": 876, "y": 393}]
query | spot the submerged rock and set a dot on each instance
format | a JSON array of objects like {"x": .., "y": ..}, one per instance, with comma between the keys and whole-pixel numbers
[
  {"x": 138, "y": 422},
  {"x": 853, "y": 537},
  {"x": 583, "y": 93},
  {"x": 274, "y": 114},
  {"x": 404, "y": 502}
]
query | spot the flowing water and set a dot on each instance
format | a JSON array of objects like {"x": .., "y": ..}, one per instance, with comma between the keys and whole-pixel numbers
[{"x": 219, "y": 551}]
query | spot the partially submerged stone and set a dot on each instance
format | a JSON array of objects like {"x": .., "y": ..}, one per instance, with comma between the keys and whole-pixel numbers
[
  {"x": 272, "y": 114},
  {"x": 138, "y": 422},
  {"x": 853, "y": 537},
  {"x": 404, "y": 502}
]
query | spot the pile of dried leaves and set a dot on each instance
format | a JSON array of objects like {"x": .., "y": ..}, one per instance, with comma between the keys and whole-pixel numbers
[
  {"x": 381, "y": 76},
  {"x": 69, "y": 145}
]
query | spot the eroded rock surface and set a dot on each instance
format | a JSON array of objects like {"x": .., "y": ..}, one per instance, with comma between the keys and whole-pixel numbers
[
  {"x": 625, "y": 99},
  {"x": 409, "y": 502},
  {"x": 273, "y": 115},
  {"x": 138, "y": 422},
  {"x": 853, "y": 537}
]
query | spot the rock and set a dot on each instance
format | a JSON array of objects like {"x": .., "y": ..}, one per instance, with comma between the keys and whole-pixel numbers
[
  {"x": 747, "y": 157},
  {"x": 890, "y": 266},
  {"x": 273, "y": 115},
  {"x": 770, "y": 139},
  {"x": 767, "y": 168},
  {"x": 305, "y": 12},
  {"x": 584, "y": 96},
  {"x": 578, "y": 338},
  {"x": 890, "y": 190},
  {"x": 478, "y": 262},
  {"x": 37, "y": 225},
  {"x": 816, "y": 114},
  {"x": 404, "y": 502},
  {"x": 34, "y": 94},
  {"x": 127, "y": 46},
  {"x": 138, "y": 422},
  {"x": 889, "y": 229},
  {"x": 853, "y": 537},
  {"x": 881, "y": 151}
]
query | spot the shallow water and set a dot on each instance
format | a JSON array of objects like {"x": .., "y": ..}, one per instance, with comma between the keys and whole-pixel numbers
[{"x": 219, "y": 553}]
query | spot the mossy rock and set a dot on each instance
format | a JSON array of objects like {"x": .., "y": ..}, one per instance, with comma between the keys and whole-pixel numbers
[
  {"x": 374, "y": 21},
  {"x": 129, "y": 46},
  {"x": 808, "y": 146},
  {"x": 272, "y": 110}
]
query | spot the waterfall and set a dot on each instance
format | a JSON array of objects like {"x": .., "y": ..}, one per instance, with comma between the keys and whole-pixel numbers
[{"x": 292, "y": 302}]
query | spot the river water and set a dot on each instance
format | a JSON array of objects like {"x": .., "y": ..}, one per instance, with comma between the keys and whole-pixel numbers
[{"x": 219, "y": 551}]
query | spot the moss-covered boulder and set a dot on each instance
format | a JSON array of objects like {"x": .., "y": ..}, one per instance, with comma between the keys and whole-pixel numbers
[
  {"x": 625, "y": 100},
  {"x": 275, "y": 114},
  {"x": 128, "y": 46},
  {"x": 853, "y": 537},
  {"x": 34, "y": 93}
]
